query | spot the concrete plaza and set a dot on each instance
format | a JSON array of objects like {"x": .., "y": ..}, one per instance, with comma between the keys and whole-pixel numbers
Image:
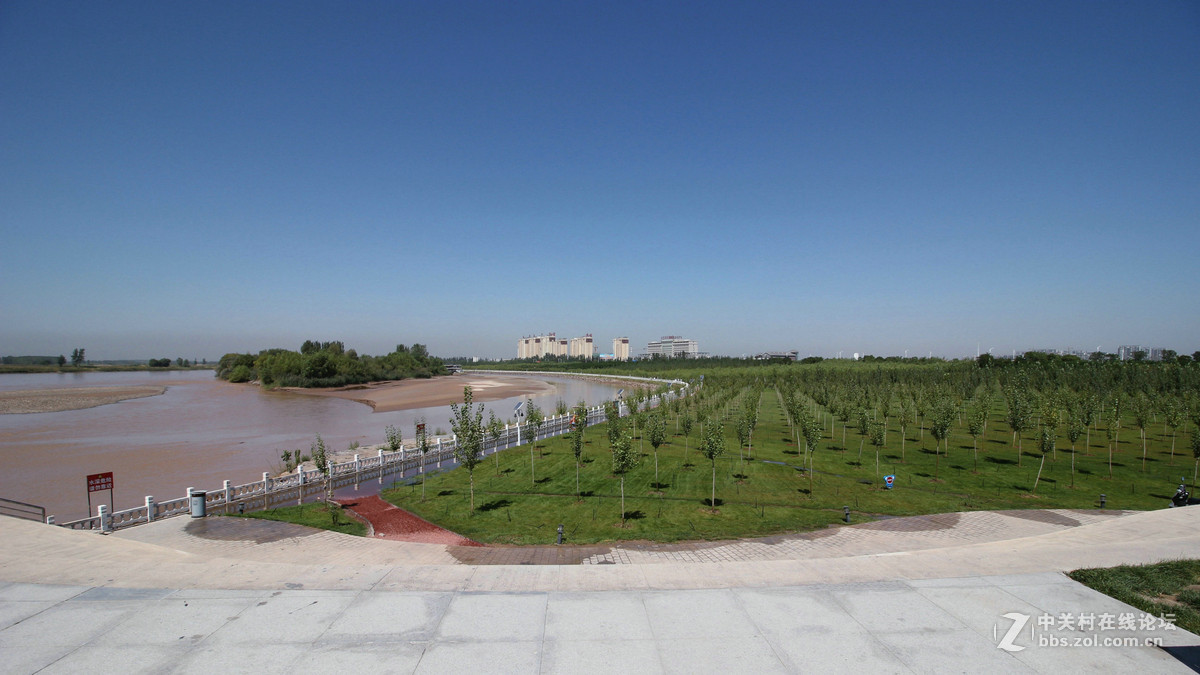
[{"x": 926, "y": 594}]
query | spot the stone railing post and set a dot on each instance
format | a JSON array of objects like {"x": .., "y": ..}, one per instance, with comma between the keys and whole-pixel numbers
[
  {"x": 439, "y": 453},
  {"x": 105, "y": 518},
  {"x": 357, "y": 463},
  {"x": 266, "y": 482},
  {"x": 150, "y": 506},
  {"x": 50, "y": 520},
  {"x": 228, "y": 492}
]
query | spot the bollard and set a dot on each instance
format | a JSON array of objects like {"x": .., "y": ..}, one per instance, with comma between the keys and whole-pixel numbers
[
  {"x": 560, "y": 533},
  {"x": 846, "y": 512},
  {"x": 1103, "y": 498}
]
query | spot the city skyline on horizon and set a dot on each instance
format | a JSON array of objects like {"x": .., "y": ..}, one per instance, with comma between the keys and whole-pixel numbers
[{"x": 813, "y": 176}]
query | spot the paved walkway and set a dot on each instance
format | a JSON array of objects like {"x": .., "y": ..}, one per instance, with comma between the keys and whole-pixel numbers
[{"x": 927, "y": 594}]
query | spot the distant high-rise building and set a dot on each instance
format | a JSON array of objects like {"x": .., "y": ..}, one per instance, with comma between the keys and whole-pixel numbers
[
  {"x": 672, "y": 346},
  {"x": 1126, "y": 352},
  {"x": 582, "y": 346},
  {"x": 621, "y": 349},
  {"x": 537, "y": 346}
]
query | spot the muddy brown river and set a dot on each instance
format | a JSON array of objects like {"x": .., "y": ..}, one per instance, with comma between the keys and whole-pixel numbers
[{"x": 198, "y": 433}]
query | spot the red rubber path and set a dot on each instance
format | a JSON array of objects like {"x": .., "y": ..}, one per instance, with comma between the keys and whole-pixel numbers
[{"x": 391, "y": 522}]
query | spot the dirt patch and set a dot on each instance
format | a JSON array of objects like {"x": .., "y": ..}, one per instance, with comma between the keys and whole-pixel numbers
[
  {"x": 245, "y": 529},
  {"x": 439, "y": 391},
  {"x": 390, "y": 522},
  {"x": 74, "y": 398}
]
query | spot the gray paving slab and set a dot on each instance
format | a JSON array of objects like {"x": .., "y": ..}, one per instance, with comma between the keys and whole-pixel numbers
[
  {"x": 747, "y": 654},
  {"x": 359, "y": 657},
  {"x": 697, "y": 614},
  {"x": 517, "y": 657},
  {"x": 596, "y": 616},
  {"x": 388, "y": 617},
  {"x": 580, "y": 657},
  {"x": 494, "y": 617}
]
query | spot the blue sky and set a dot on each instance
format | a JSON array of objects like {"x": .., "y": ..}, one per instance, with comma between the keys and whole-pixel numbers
[{"x": 188, "y": 179}]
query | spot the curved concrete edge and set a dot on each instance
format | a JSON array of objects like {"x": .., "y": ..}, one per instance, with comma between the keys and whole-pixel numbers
[{"x": 36, "y": 553}]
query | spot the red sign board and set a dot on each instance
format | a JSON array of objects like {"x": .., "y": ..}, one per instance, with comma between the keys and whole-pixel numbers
[
  {"x": 420, "y": 428},
  {"x": 100, "y": 481}
]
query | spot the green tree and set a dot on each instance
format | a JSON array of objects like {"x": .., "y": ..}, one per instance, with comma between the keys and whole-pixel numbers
[
  {"x": 495, "y": 429},
  {"x": 321, "y": 460},
  {"x": 811, "y": 428},
  {"x": 1174, "y": 414},
  {"x": 624, "y": 459},
  {"x": 877, "y": 440},
  {"x": 1141, "y": 417},
  {"x": 533, "y": 421},
  {"x": 656, "y": 429},
  {"x": 1046, "y": 446},
  {"x": 77, "y": 356},
  {"x": 467, "y": 423},
  {"x": 714, "y": 447},
  {"x": 685, "y": 424},
  {"x": 1195, "y": 455},
  {"x": 579, "y": 419},
  {"x": 394, "y": 438},
  {"x": 62, "y": 360},
  {"x": 976, "y": 417},
  {"x": 423, "y": 448},
  {"x": 1075, "y": 427}
]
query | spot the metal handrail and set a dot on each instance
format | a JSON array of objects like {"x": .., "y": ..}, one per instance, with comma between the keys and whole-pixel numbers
[{"x": 22, "y": 510}]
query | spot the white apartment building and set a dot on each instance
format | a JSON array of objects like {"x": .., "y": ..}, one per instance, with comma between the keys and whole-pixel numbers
[
  {"x": 621, "y": 349},
  {"x": 672, "y": 346},
  {"x": 582, "y": 346},
  {"x": 537, "y": 346}
]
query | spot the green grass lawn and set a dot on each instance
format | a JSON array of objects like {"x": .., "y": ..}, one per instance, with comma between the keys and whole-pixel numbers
[
  {"x": 770, "y": 493},
  {"x": 313, "y": 515},
  {"x": 1171, "y": 587}
]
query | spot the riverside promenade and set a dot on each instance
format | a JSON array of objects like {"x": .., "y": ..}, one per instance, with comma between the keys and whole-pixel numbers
[{"x": 932, "y": 593}]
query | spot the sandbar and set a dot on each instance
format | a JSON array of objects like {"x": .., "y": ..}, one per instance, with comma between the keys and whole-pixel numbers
[
  {"x": 438, "y": 391},
  {"x": 70, "y": 398}
]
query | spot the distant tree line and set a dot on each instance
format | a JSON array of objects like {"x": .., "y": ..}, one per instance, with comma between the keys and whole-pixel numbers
[{"x": 328, "y": 364}]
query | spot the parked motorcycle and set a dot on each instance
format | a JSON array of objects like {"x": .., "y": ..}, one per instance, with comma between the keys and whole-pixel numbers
[{"x": 1182, "y": 496}]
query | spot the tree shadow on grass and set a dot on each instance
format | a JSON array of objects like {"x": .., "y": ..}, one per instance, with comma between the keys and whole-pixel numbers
[
  {"x": 709, "y": 503},
  {"x": 543, "y": 480},
  {"x": 791, "y": 452},
  {"x": 507, "y": 471},
  {"x": 924, "y": 475},
  {"x": 445, "y": 493},
  {"x": 999, "y": 460},
  {"x": 634, "y": 515},
  {"x": 804, "y": 491},
  {"x": 498, "y": 504},
  {"x": 587, "y": 493},
  {"x": 660, "y": 486}
]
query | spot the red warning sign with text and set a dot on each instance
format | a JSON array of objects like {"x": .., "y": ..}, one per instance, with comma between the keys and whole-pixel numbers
[{"x": 100, "y": 481}]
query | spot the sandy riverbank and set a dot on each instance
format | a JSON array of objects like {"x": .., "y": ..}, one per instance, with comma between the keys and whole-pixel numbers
[
  {"x": 439, "y": 391},
  {"x": 75, "y": 398}
]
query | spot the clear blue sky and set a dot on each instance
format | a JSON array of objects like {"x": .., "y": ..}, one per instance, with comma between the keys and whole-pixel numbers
[{"x": 188, "y": 179}]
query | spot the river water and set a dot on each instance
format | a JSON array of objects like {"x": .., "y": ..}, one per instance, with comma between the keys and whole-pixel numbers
[{"x": 201, "y": 432}]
